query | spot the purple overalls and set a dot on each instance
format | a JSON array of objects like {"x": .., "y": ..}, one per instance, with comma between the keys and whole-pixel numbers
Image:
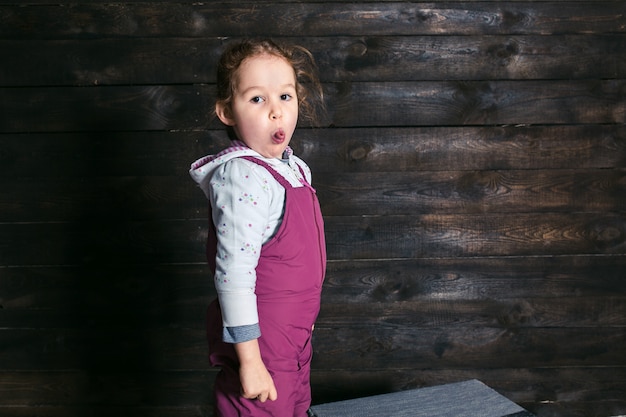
[{"x": 290, "y": 273}]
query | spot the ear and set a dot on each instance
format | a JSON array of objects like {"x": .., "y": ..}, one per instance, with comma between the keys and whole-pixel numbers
[{"x": 223, "y": 113}]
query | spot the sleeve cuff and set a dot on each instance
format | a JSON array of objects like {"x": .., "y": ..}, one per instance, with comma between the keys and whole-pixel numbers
[{"x": 241, "y": 334}]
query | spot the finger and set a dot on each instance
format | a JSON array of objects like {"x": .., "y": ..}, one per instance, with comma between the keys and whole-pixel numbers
[
  {"x": 262, "y": 397},
  {"x": 249, "y": 396},
  {"x": 273, "y": 394}
]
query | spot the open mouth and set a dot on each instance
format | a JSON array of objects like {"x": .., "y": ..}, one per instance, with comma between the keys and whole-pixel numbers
[{"x": 278, "y": 136}]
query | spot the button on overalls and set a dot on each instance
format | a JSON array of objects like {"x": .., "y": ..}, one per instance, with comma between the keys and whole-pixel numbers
[{"x": 290, "y": 273}]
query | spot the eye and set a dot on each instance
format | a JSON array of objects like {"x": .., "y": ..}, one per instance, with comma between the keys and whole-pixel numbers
[
  {"x": 286, "y": 97},
  {"x": 257, "y": 99}
]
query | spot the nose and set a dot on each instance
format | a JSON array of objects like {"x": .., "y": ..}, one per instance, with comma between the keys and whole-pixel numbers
[{"x": 275, "y": 112}]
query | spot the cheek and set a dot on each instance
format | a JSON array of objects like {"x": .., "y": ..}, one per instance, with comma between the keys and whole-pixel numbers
[
  {"x": 246, "y": 117},
  {"x": 294, "y": 112}
]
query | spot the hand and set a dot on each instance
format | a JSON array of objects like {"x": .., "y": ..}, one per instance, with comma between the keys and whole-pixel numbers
[{"x": 256, "y": 381}]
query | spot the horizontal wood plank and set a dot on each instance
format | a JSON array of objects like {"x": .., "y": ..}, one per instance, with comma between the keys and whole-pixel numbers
[
  {"x": 389, "y": 237},
  {"x": 397, "y": 347},
  {"x": 328, "y": 151},
  {"x": 351, "y": 194},
  {"x": 423, "y": 312},
  {"x": 100, "y": 109},
  {"x": 78, "y": 390},
  {"x": 360, "y": 237},
  {"x": 384, "y": 58},
  {"x": 353, "y": 345},
  {"x": 78, "y": 297},
  {"x": 508, "y": 313},
  {"x": 476, "y": 103},
  {"x": 367, "y": 104},
  {"x": 462, "y": 148},
  {"x": 370, "y": 281},
  {"x": 159, "y": 290},
  {"x": 558, "y": 391},
  {"x": 573, "y": 391},
  {"x": 471, "y": 192},
  {"x": 89, "y": 20}
]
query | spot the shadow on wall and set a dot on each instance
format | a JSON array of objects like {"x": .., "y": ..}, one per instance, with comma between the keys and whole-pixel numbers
[{"x": 122, "y": 303}]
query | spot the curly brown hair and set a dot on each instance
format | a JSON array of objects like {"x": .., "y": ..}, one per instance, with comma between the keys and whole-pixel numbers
[{"x": 308, "y": 86}]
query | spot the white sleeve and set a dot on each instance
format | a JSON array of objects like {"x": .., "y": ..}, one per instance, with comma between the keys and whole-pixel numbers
[{"x": 241, "y": 207}]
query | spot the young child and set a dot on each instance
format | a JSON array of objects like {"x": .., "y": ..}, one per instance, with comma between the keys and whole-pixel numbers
[{"x": 266, "y": 237}]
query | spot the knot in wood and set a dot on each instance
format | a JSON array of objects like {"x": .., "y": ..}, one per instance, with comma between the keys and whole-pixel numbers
[
  {"x": 504, "y": 52},
  {"x": 358, "y": 153},
  {"x": 357, "y": 49}
]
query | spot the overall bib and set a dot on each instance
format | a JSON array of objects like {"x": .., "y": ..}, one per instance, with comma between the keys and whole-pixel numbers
[{"x": 290, "y": 273}]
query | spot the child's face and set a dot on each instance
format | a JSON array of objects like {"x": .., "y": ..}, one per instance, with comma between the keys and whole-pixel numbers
[{"x": 264, "y": 109}]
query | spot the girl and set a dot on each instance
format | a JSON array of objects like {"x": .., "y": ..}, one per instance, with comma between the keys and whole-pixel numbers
[{"x": 266, "y": 240}]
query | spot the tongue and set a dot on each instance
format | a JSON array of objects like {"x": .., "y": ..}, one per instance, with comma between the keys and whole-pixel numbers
[{"x": 279, "y": 136}]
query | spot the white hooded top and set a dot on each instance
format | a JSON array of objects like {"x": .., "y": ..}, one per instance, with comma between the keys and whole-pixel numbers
[{"x": 247, "y": 209}]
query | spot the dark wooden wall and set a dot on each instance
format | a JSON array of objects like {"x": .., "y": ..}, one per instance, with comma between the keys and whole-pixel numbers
[{"x": 472, "y": 173}]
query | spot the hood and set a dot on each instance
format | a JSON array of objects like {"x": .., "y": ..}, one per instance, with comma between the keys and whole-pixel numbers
[{"x": 202, "y": 170}]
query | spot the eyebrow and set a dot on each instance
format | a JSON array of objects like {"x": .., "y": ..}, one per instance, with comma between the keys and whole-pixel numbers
[{"x": 288, "y": 85}]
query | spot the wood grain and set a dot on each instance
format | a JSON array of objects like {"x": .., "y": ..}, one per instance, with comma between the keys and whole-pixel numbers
[
  {"x": 104, "y": 19},
  {"x": 364, "y": 104},
  {"x": 470, "y": 167},
  {"x": 350, "y": 237},
  {"x": 351, "y": 194},
  {"x": 87, "y": 155},
  {"x": 340, "y": 58}
]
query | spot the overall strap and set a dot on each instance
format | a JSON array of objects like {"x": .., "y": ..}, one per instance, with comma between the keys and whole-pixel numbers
[{"x": 282, "y": 180}]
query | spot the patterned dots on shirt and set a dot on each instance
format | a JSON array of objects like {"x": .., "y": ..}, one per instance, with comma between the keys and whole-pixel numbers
[
  {"x": 219, "y": 182},
  {"x": 248, "y": 199},
  {"x": 221, "y": 279},
  {"x": 248, "y": 248}
]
